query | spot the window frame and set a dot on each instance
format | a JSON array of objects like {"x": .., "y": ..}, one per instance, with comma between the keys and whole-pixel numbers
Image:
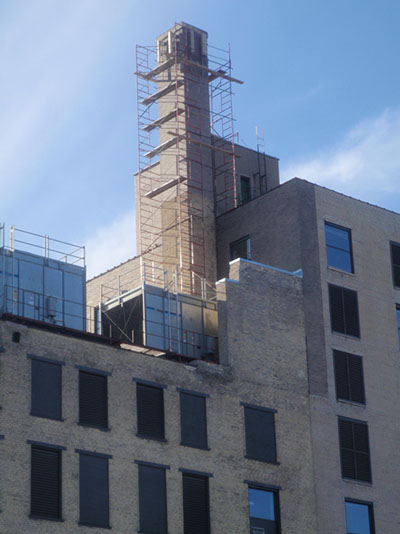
[
  {"x": 350, "y": 251},
  {"x": 247, "y": 239},
  {"x": 249, "y": 188},
  {"x": 355, "y": 451},
  {"x": 272, "y": 413},
  {"x": 348, "y": 355},
  {"x": 394, "y": 244},
  {"x": 345, "y": 322},
  {"x": 271, "y": 489},
  {"x": 370, "y": 506}
]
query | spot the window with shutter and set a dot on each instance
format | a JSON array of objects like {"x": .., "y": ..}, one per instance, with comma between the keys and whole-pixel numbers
[
  {"x": 196, "y": 514},
  {"x": 359, "y": 517},
  {"x": 260, "y": 433},
  {"x": 152, "y": 500},
  {"x": 395, "y": 254},
  {"x": 150, "y": 411},
  {"x": 93, "y": 410},
  {"x": 354, "y": 449},
  {"x": 263, "y": 511},
  {"x": 93, "y": 489},
  {"x": 344, "y": 310},
  {"x": 349, "y": 377},
  {"x": 45, "y": 482},
  {"x": 240, "y": 249},
  {"x": 338, "y": 247},
  {"x": 193, "y": 420},
  {"x": 46, "y": 389},
  {"x": 398, "y": 321}
]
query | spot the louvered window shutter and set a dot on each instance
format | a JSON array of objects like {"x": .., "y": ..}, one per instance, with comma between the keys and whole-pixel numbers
[
  {"x": 396, "y": 264},
  {"x": 349, "y": 377},
  {"x": 93, "y": 399},
  {"x": 150, "y": 411},
  {"x": 336, "y": 307},
  {"x": 343, "y": 305},
  {"x": 46, "y": 389},
  {"x": 354, "y": 450},
  {"x": 193, "y": 420},
  {"x": 352, "y": 326},
  {"x": 45, "y": 482},
  {"x": 152, "y": 500},
  {"x": 93, "y": 490},
  {"x": 260, "y": 435},
  {"x": 196, "y": 517}
]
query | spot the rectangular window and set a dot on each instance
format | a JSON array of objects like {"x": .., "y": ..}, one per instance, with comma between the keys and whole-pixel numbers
[
  {"x": 45, "y": 482},
  {"x": 152, "y": 500},
  {"x": 395, "y": 254},
  {"x": 196, "y": 513},
  {"x": 93, "y": 409},
  {"x": 193, "y": 420},
  {"x": 260, "y": 433},
  {"x": 398, "y": 321},
  {"x": 93, "y": 489},
  {"x": 245, "y": 189},
  {"x": 150, "y": 411},
  {"x": 359, "y": 517},
  {"x": 263, "y": 511},
  {"x": 344, "y": 310},
  {"x": 338, "y": 247},
  {"x": 240, "y": 249},
  {"x": 354, "y": 449},
  {"x": 46, "y": 389},
  {"x": 349, "y": 377}
]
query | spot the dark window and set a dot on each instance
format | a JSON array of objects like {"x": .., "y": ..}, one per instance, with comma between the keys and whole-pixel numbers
[
  {"x": 398, "y": 321},
  {"x": 152, "y": 500},
  {"x": 93, "y": 490},
  {"x": 264, "y": 511},
  {"x": 150, "y": 411},
  {"x": 395, "y": 253},
  {"x": 46, "y": 389},
  {"x": 245, "y": 189},
  {"x": 93, "y": 409},
  {"x": 354, "y": 450},
  {"x": 344, "y": 310},
  {"x": 193, "y": 420},
  {"x": 349, "y": 377},
  {"x": 338, "y": 247},
  {"x": 196, "y": 515},
  {"x": 260, "y": 434},
  {"x": 240, "y": 249},
  {"x": 45, "y": 482},
  {"x": 359, "y": 518}
]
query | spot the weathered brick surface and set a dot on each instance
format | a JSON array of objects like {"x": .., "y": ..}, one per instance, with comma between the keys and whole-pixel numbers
[{"x": 264, "y": 363}]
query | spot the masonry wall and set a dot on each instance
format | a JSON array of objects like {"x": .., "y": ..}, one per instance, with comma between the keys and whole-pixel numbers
[{"x": 264, "y": 363}]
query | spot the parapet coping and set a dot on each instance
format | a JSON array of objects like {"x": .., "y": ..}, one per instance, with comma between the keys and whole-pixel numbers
[{"x": 298, "y": 273}]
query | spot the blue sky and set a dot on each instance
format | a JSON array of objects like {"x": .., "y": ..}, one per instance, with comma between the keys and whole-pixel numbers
[{"x": 321, "y": 77}]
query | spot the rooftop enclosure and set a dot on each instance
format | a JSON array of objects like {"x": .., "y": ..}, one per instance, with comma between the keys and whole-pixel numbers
[
  {"x": 184, "y": 91},
  {"x": 42, "y": 278}
]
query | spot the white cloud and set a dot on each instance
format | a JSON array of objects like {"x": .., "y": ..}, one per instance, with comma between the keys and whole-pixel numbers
[
  {"x": 366, "y": 163},
  {"x": 111, "y": 244}
]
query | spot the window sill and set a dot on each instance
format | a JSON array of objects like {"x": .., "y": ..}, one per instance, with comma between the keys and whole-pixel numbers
[
  {"x": 352, "y": 403},
  {"x": 195, "y": 447},
  {"x": 81, "y": 524},
  {"x": 337, "y": 270},
  {"x": 349, "y": 336},
  {"x": 354, "y": 481},
  {"x": 272, "y": 462},
  {"x": 46, "y": 417},
  {"x": 98, "y": 427},
  {"x": 46, "y": 518},
  {"x": 145, "y": 436}
]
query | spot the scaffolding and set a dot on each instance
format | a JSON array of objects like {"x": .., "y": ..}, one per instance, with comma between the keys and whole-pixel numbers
[{"x": 186, "y": 153}]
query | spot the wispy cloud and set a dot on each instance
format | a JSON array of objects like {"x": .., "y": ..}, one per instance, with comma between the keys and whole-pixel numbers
[
  {"x": 111, "y": 244},
  {"x": 365, "y": 163}
]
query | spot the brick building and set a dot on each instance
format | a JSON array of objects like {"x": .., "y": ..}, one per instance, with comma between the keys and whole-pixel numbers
[{"x": 239, "y": 374}]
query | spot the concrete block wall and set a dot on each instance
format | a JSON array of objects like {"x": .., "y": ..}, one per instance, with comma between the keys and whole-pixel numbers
[{"x": 264, "y": 365}]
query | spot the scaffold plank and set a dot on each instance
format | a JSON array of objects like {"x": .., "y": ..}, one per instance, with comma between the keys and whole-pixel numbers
[
  {"x": 202, "y": 143},
  {"x": 165, "y": 187},
  {"x": 162, "y": 120},
  {"x": 216, "y": 73},
  {"x": 162, "y": 92},
  {"x": 157, "y": 70},
  {"x": 161, "y": 148}
]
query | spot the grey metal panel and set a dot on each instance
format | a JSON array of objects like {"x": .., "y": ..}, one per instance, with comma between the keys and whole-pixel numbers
[
  {"x": 192, "y": 319},
  {"x": 210, "y": 322}
]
